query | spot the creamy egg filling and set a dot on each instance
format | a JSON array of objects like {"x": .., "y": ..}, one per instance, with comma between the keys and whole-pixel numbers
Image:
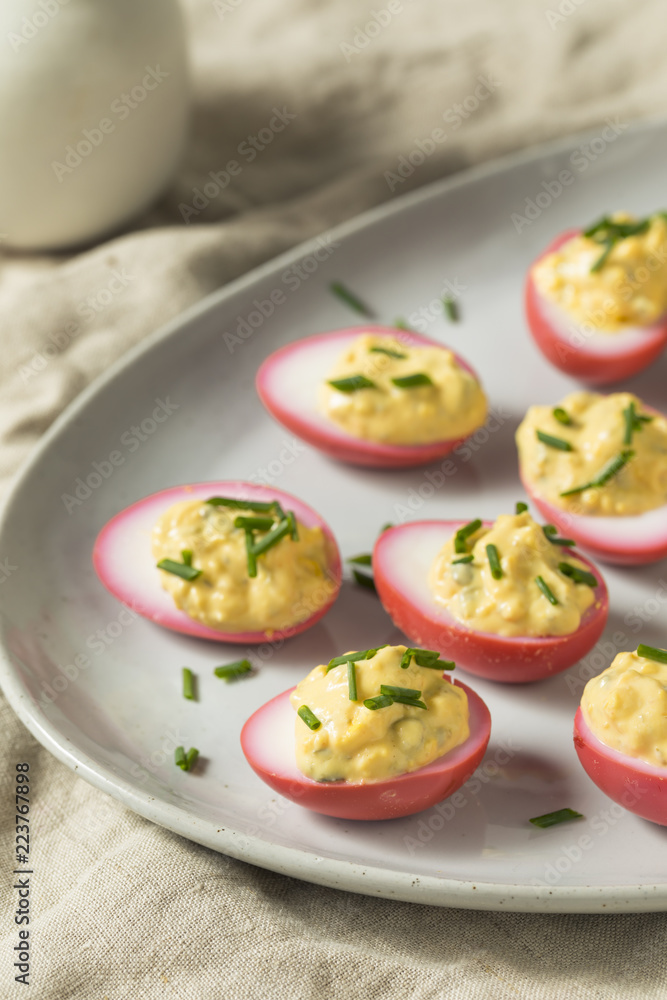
[
  {"x": 626, "y": 707},
  {"x": 608, "y": 286},
  {"x": 291, "y": 582},
  {"x": 396, "y": 393},
  {"x": 517, "y": 587},
  {"x": 356, "y": 743},
  {"x": 601, "y": 431}
]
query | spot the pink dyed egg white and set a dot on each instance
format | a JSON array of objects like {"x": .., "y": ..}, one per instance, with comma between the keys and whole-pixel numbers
[
  {"x": 637, "y": 786},
  {"x": 125, "y": 564},
  {"x": 595, "y": 357},
  {"x": 267, "y": 740},
  {"x": 402, "y": 561},
  {"x": 288, "y": 382}
]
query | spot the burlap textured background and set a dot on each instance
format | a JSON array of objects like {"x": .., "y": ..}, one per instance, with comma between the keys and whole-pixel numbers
[{"x": 124, "y": 909}]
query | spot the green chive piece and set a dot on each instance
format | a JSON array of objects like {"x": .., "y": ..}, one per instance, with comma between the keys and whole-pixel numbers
[
  {"x": 309, "y": 717},
  {"x": 363, "y": 654},
  {"x": 186, "y": 556},
  {"x": 463, "y": 534},
  {"x": 230, "y": 671},
  {"x": 350, "y": 299},
  {"x": 242, "y": 504},
  {"x": 379, "y": 701},
  {"x": 250, "y": 553},
  {"x": 413, "y": 702},
  {"x": 352, "y": 680},
  {"x": 188, "y": 684},
  {"x": 412, "y": 381},
  {"x": 180, "y": 759},
  {"x": 191, "y": 757},
  {"x": 578, "y": 575},
  {"x": 271, "y": 538},
  {"x": 429, "y": 658},
  {"x": 400, "y": 324},
  {"x": 561, "y": 415},
  {"x": 607, "y": 473},
  {"x": 633, "y": 422},
  {"x": 602, "y": 259},
  {"x": 554, "y": 818},
  {"x": 388, "y": 352},
  {"x": 451, "y": 308},
  {"x": 463, "y": 559},
  {"x": 364, "y": 580},
  {"x": 386, "y": 527},
  {"x": 607, "y": 233},
  {"x": 546, "y": 590},
  {"x": 400, "y": 692},
  {"x": 179, "y": 569},
  {"x": 551, "y": 535},
  {"x": 352, "y": 384},
  {"x": 521, "y": 507},
  {"x": 293, "y": 529},
  {"x": 254, "y": 523},
  {"x": 494, "y": 562},
  {"x": 365, "y": 559},
  {"x": 652, "y": 653},
  {"x": 554, "y": 442}
]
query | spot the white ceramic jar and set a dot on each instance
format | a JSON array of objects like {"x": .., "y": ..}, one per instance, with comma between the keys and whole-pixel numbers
[{"x": 93, "y": 115}]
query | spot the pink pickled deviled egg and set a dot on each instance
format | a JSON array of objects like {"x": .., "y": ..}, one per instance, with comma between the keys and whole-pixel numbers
[
  {"x": 374, "y": 734},
  {"x": 507, "y": 601},
  {"x": 373, "y": 396},
  {"x": 230, "y": 561},
  {"x": 596, "y": 467},
  {"x": 596, "y": 301},
  {"x": 620, "y": 732}
]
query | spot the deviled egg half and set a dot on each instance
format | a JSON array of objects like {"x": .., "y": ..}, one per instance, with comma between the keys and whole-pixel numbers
[
  {"x": 373, "y": 395},
  {"x": 596, "y": 466},
  {"x": 373, "y": 734},
  {"x": 230, "y": 561},
  {"x": 620, "y": 732},
  {"x": 508, "y": 600},
  {"x": 596, "y": 301}
]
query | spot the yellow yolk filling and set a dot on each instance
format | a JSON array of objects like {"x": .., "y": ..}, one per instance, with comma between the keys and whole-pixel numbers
[
  {"x": 630, "y": 289},
  {"x": 597, "y": 436},
  {"x": 291, "y": 582},
  {"x": 451, "y": 407},
  {"x": 626, "y": 707},
  {"x": 514, "y": 605},
  {"x": 357, "y": 744}
]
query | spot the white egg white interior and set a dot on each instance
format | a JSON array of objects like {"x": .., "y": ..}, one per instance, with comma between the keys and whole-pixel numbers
[
  {"x": 268, "y": 738},
  {"x": 624, "y": 534},
  {"x": 615, "y": 756},
  {"x": 609, "y": 344},
  {"x": 405, "y": 558}
]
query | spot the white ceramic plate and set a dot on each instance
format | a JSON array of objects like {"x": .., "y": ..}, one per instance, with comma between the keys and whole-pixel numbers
[{"x": 101, "y": 690}]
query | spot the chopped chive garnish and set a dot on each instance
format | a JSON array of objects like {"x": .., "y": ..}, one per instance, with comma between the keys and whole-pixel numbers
[
  {"x": 607, "y": 473},
  {"x": 551, "y": 535},
  {"x": 365, "y": 559},
  {"x": 578, "y": 575},
  {"x": 250, "y": 552},
  {"x": 463, "y": 534},
  {"x": 352, "y": 680},
  {"x": 651, "y": 653},
  {"x": 607, "y": 233},
  {"x": 546, "y": 590},
  {"x": 271, "y": 538},
  {"x": 463, "y": 559},
  {"x": 254, "y": 523},
  {"x": 554, "y": 818},
  {"x": 188, "y": 684},
  {"x": 411, "y": 381},
  {"x": 633, "y": 422},
  {"x": 521, "y": 507},
  {"x": 388, "y": 352},
  {"x": 553, "y": 442},
  {"x": 494, "y": 562},
  {"x": 400, "y": 324},
  {"x": 230, "y": 671},
  {"x": 386, "y": 527},
  {"x": 451, "y": 309},
  {"x": 362, "y": 654},
  {"x": 191, "y": 757},
  {"x": 350, "y": 299},
  {"x": 242, "y": 504},
  {"x": 602, "y": 259},
  {"x": 379, "y": 701},
  {"x": 183, "y": 570},
  {"x": 364, "y": 580},
  {"x": 414, "y": 702},
  {"x": 293, "y": 530},
  {"x": 561, "y": 415},
  {"x": 400, "y": 692},
  {"x": 185, "y": 760},
  {"x": 352, "y": 384},
  {"x": 425, "y": 658},
  {"x": 308, "y": 717},
  {"x": 186, "y": 556}
]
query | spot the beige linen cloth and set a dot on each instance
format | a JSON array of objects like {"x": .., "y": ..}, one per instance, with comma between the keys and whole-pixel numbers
[{"x": 123, "y": 909}]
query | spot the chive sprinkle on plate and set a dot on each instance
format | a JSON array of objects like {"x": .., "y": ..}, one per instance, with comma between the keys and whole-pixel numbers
[
  {"x": 188, "y": 684},
  {"x": 365, "y": 559},
  {"x": 364, "y": 580},
  {"x": 184, "y": 570},
  {"x": 608, "y": 472},
  {"x": 553, "y": 442},
  {"x": 651, "y": 653},
  {"x": 230, "y": 671},
  {"x": 185, "y": 760},
  {"x": 554, "y": 818},
  {"x": 451, "y": 308},
  {"x": 546, "y": 590},
  {"x": 352, "y": 384},
  {"x": 350, "y": 299}
]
